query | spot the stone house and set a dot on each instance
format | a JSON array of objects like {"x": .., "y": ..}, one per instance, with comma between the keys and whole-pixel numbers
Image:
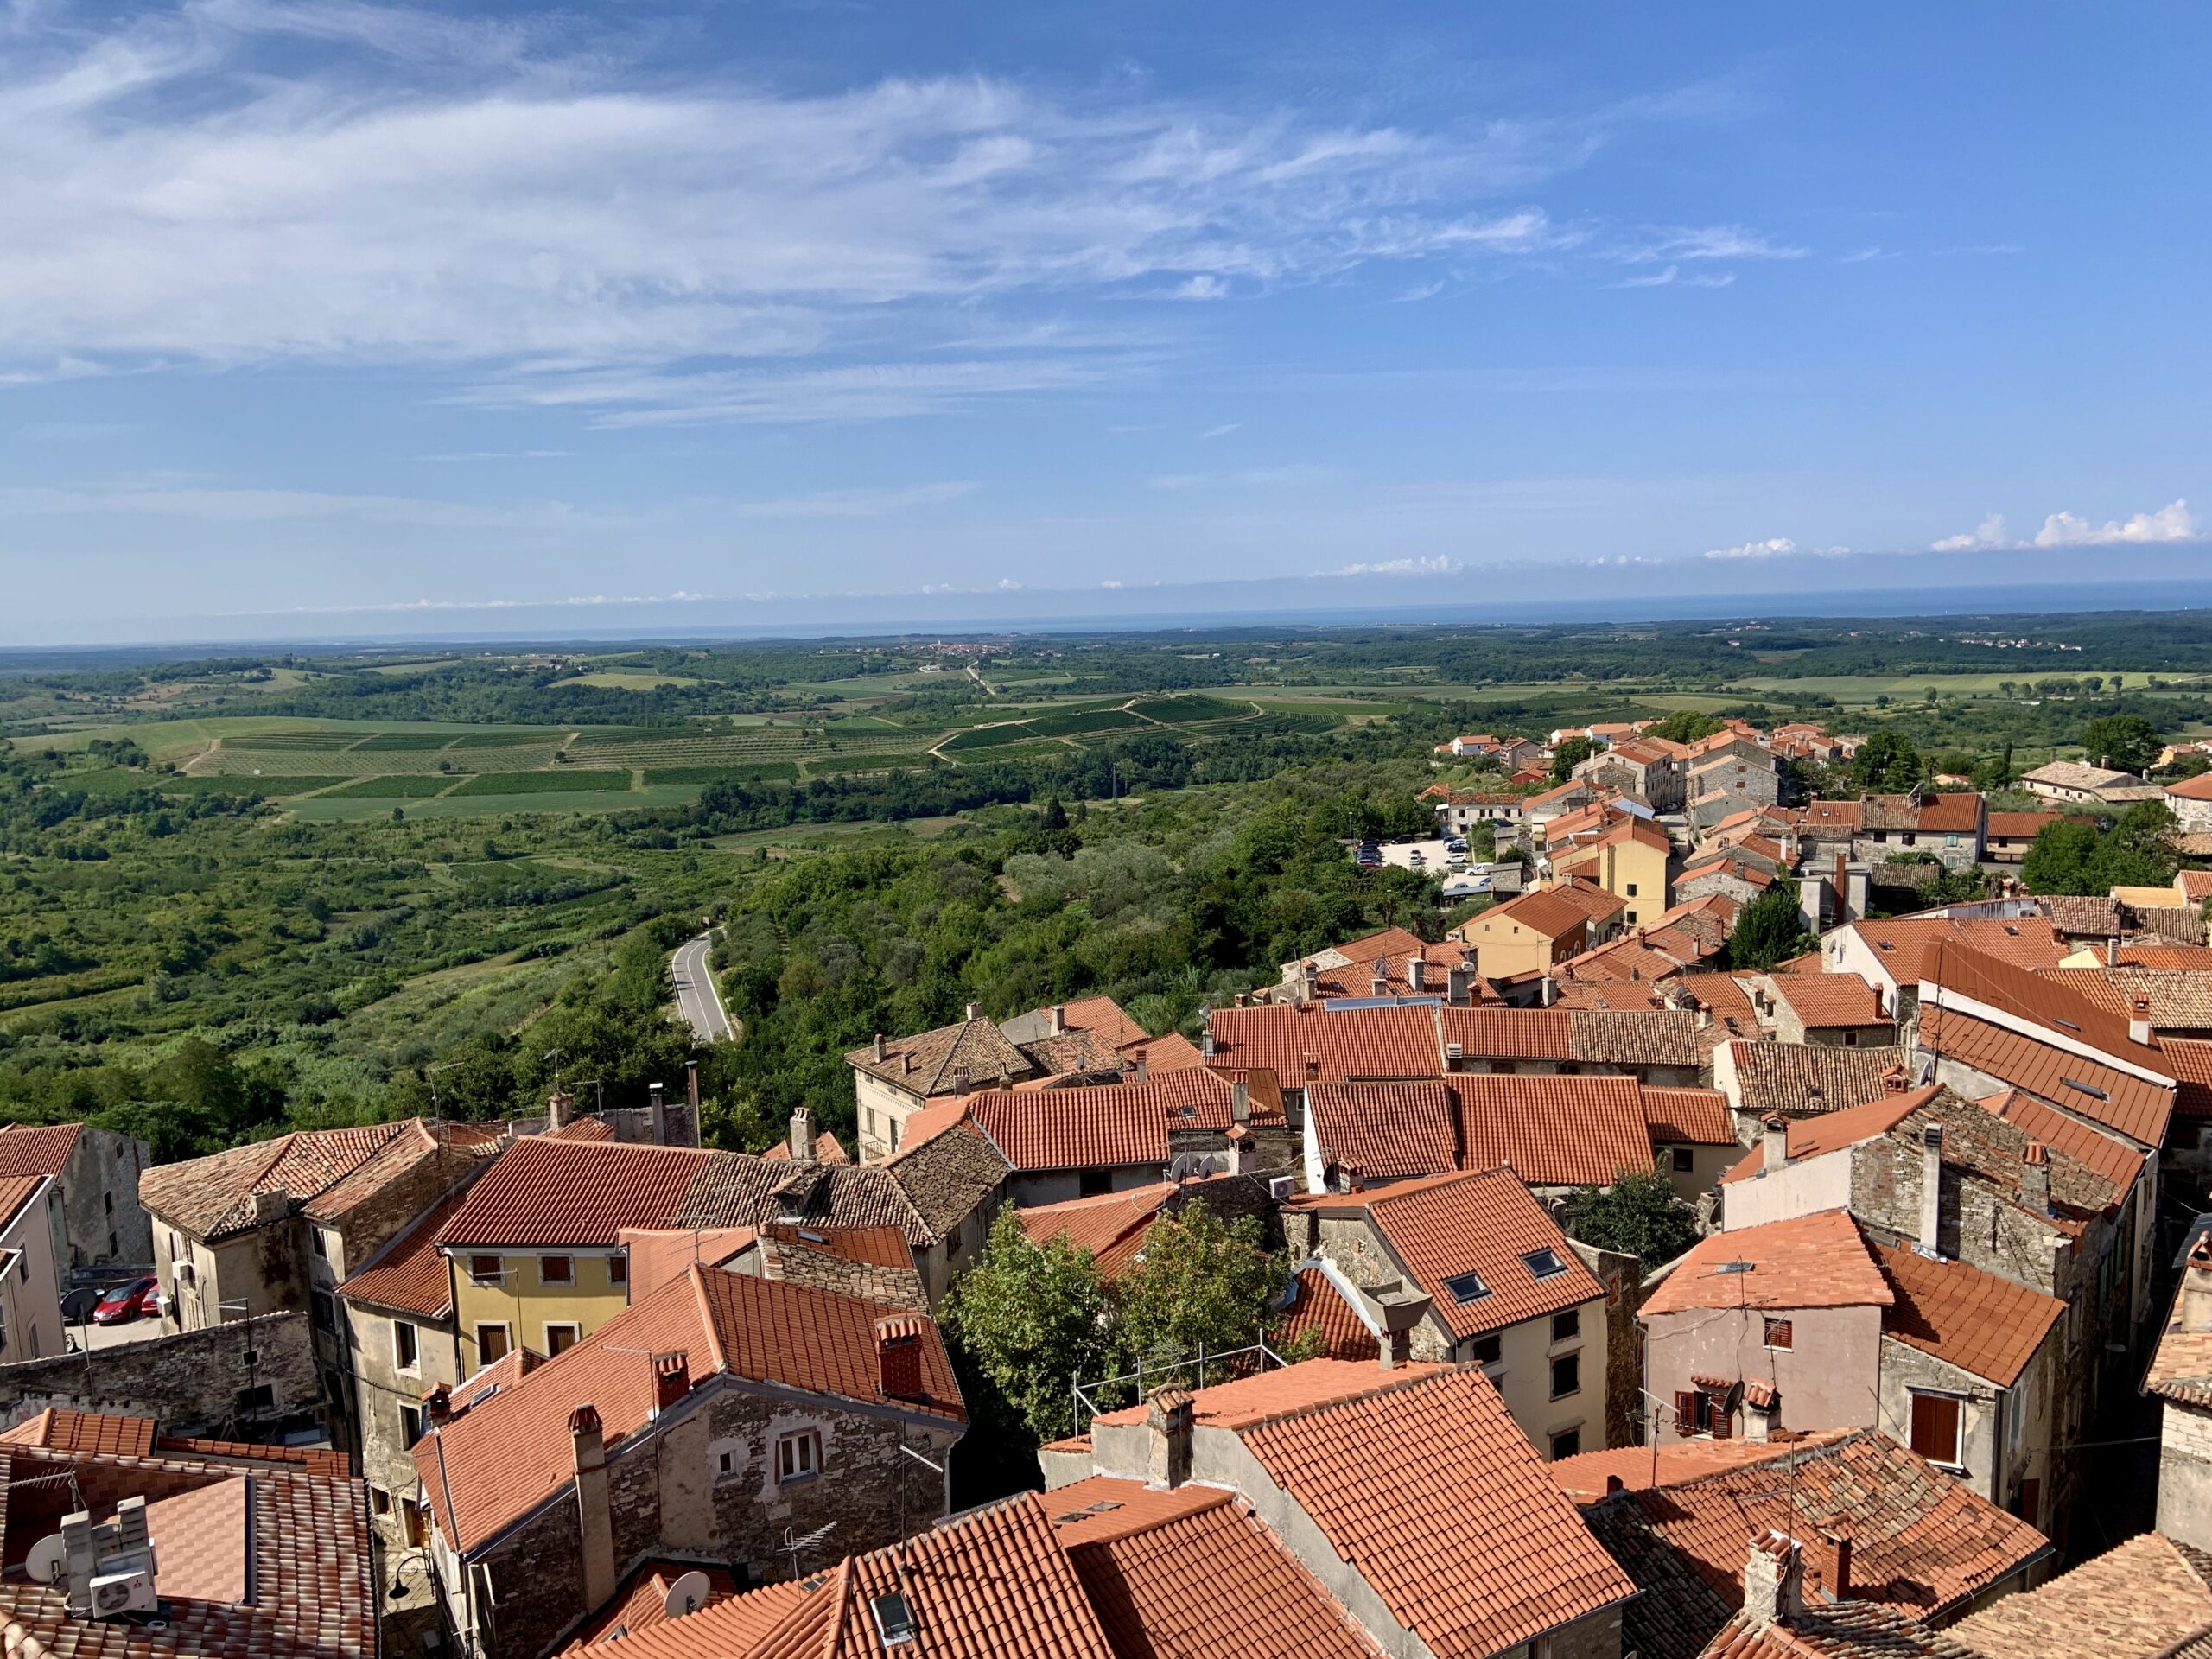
[
  {"x": 1952, "y": 827},
  {"x": 1729, "y": 762},
  {"x": 2180, "y": 1379},
  {"x": 1398, "y": 1486},
  {"x": 98, "y": 1171},
  {"x": 1841, "y": 1010},
  {"x": 2076, "y": 783},
  {"x": 1091, "y": 1139},
  {"x": 689, "y": 1428},
  {"x": 1642, "y": 766},
  {"x": 33, "y": 1243},
  {"x": 1471, "y": 1269}
]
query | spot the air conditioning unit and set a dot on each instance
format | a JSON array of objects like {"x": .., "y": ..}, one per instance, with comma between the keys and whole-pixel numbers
[
  {"x": 185, "y": 1274},
  {"x": 126, "y": 1587},
  {"x": 1281, "y": 1187}
]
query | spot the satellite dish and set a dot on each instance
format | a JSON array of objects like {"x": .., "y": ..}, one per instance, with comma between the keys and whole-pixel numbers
[
  {"x": 47, "y": 1561},
  {"x": 1190, "y": 1167},
  {"x": 687, "y": 1595}
]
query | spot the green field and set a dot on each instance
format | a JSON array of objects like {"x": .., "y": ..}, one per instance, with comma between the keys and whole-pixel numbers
[
  {"x": 566, "y": 781},
  {"x": 767, "y": 771},
  {"x": 1189, "y": 707},
  {"x": 398, "y": 788}
]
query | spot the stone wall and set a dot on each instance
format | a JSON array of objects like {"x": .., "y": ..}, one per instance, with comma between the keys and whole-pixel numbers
[
  {"x": 194, "y": 1384},
  {"x": 2186, "y": 1474},
  {"x": 100, "y": 1196}
]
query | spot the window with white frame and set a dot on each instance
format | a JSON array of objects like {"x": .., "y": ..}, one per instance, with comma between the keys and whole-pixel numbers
[
  {"x": 799, "y": 1456},
  {"x": 405, "y": 1351}
]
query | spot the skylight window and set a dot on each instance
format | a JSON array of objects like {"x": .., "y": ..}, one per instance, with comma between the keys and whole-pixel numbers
[
  {"x": 2093, "y": 1094},
  {"x": 1466, "y": 1288},
  {"x": 1734, "y": 1267},
  {"x": 2069, "y": 1024},
  {"x": 1544, "y": 1263}
]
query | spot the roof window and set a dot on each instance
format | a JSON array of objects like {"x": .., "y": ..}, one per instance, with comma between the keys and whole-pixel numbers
[
  {"x": 1544, "y": 1263},
  {"x": 2093, "y": 1094},
  {"x": 2069, "y": 1024},
  {"x": 895, "y": 1620},
  {"x": 1466, "y": 1288}
]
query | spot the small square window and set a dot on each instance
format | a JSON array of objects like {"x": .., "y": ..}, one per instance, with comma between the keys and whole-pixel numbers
[
  {"x": 1466, "y": 1288},
  {"x": 555, "y": 1270},
  {"x": 559, "y": 1338},
  {"x": 315, "y": 1243},
  {"x": 1487, "y": 1350},
  {"x": 1683, "y": 1159},
  {"x": 410, "y": 1424},
  {"x": 486, "y": 1270},
  {"x": 618, "y": 1269},
  {"x": 1631, "y": 893},
  {"x": 1544, "y": 1263},
  {"x": 799, "y": 1456},
  {"x": 379, "y": 1500},
  {"x": 1779, "y": 1334},
  {"x": 1566, "y": 1376},
  {"x": 403, "y": 1347},
  {"x": 725, "y": 1465},
  {"x": 1566, "y": 1326},
  {"x": 1567, "y": 1445}
]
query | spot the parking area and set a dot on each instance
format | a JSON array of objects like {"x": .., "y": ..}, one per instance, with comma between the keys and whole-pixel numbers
[{"x": 1431, "y": 855}]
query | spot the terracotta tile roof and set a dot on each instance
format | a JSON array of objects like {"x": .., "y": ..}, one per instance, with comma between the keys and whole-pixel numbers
[
  {"x": 1816, "y": 816},
  {"x": 2141, "y": 1599},
  {"x": 2180, "y": 1000},
  {"x": 1195, "y": 1574},
  {"x": 2075, "y": 774},
  {"x": 213, "y": 1197},
  {"x": 287, "y": 1574},
  {"x": 1510, "y": 1033},
  {"x": 1161, "y": 1055},
  {"x": 641, "y": 1601},
  {"x": 1289, "y": 1390},
  {"x": 1548, "y": 913},
  {"x": 2196, "y": 885},
  {"x": 16, "y": 1192},
  {"x": 37, "y": 1148},
  {"x": 543, "y": 1191},
  {"x": 924, "y": 1065},
  {"x": 1579, "y": 1131},
  {"x": 2082, "y": 916},
  {"x": 1922, "y": 1543},
  {"x": 63, "y": 1430},
  {"x": 410, "y": 1273},
  {"x": 1810, "y": 1137},
  {"x": 507, "y": 1454},
  {"x": 1825, "y": 1001},
  {"x": 1963, "y": 1316},
  {"x": 1635, "y": 1037},
  {"x": 1597, "y": 903},
  {"x": 1587, "y": 1476},
  {"x": 1633, "y": 960},
  {"x": 659, "y": 1254},
  {"x": 583, "y": 1128},
  {"x": 827, "y": 1149},
  {"x": 2112, "y": 1160},
  {"x": 1438, "y": 1496},
  {"x": 1345, "y": 1044},
  {"x": 1848, "y": 1630},
  {"x": 2020, "y": 826},
  {"x": 2023, "y": 942},
  {"x": 2180, "y": 1367},
  {"x": 1112, "y": 1227},
  {"x": 2190, "y": 1061},
  {"x": 1114, "y": 1125},
  {"x": 1816, "y": 1261},
  {"x": 311, "y": 1459},
  {"x": 1387, "y": 1130},
  {"x": 2144, "y": 954},
  {"x": 1483, "y": 1223},
  {"x": 726, "y": 1628},
  {"x": 1955, "y": 814},
  {"x": 1698, "y": 1117},
  {"x": 1317, "y": 1304},
  {"x": 1801, "y": 1078},
  {"x": 2104, "y": 1094}
]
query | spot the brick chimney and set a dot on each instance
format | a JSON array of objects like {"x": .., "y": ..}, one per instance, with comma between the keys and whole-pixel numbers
[
  {"x": 1835, "y": 1563},
  {"x": 2196, "y": 1286},
  {"x": 1059, "y": 1019},
  {"x": 1167, "y": 1415},
  {"x": 437, "y": 1405},
  {"x": 1931, "y": 1191},
  {"x": 959, "y": 1080},
  {"x": 2035, "y": 1178},
  {"x": 802, "y": 1136},
  {"x": 1240, "y": 1097},
  {"x": 1774, "y": 1580},
  {"x": 1458, "y": 983},
  {"x": 881, "y": 1048},
  {"x": 672, "y": 1379},
  {"x": 2139, "y": 1020},
  {"x": 1896, "y": 1080},
  {"x": 595, "y": 1514},
  {"x": 898, "y": 1357}
]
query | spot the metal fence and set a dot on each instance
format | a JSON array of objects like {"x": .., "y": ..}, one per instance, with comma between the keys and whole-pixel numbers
[{"x": 1185, "y": 1369}]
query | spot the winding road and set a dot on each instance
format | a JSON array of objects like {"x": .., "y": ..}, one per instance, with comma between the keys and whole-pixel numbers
[{"x": 696, "y": 999}]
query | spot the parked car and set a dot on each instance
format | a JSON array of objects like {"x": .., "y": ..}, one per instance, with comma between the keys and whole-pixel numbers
[
  {"x": 149, "y": 1304},
  {"x": 125, "y": 1302}
]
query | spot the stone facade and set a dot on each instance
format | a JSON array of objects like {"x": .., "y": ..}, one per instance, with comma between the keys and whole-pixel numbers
[
  {"x": 99, "y": 1197},
  {"x": 384, "y": 1394},
  {"x": 2185, "y": 1473},
  {"x": 2005, "y": 1438},
  {"x": 210, "y": 1381},
  {"x": 669, "y": 1495}
]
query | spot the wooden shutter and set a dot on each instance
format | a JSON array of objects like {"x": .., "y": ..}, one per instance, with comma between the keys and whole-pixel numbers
[
  {"x": 1686, "y": 1414},
  {"x": 1723, "y": 1425},
  {"x": 1936, "y": 1428}
]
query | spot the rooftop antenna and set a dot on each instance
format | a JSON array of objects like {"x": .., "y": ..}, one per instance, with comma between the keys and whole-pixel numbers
[{"x": 813, "y": 1540}]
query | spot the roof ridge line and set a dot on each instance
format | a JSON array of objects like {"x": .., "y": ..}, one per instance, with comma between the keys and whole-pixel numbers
[
  {"x": 1315, "y": 1408},
  {"x": 697, "y": 1274}
]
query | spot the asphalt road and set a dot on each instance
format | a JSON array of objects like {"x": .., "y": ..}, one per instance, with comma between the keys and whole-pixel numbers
[{"x": 696, "y": 996}]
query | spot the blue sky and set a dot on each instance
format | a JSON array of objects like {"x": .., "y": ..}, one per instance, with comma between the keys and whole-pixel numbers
[{"x": 368, "y": 319}]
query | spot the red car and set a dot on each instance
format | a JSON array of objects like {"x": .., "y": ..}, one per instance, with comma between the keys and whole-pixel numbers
[{"x": 126, "y": 1302}]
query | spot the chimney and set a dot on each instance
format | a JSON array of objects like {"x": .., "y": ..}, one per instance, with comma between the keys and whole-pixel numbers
[
  {"x": 438, "y": 1405},
  {"x": 1380, "y": 985},
  {"x": 1774, "y": 1580},
  {"x": 2035, "y": 1178},
  {"x": 802, "y": 1136},
  {"x": 1775, "y": 1141},
  {"x": 672, "y": 1379},
  {"x": 1931, "y": 1191},
  {"x": 959, "y": 1080},
  {"x": 1458, "y": 983},
  {"x": 271, "y": 1204},
  {"x": 1244, "y": 1151},
  {"x": 1546, "y": 992},
  {"x": 1059, "y": 1019},
  {"x": 595, "y": 1515},
  {"x": 881, "y": 1049},
  {"x": 1895, "y": 1080},
  {"x": 1167, "y": 1415},
  {"x": 1240, "y": 999},
  {"x": 2139, "y": 1020},
  {"x": 898, "y": 1357},
  {"x": 657, "y": 1102},
  {"x": 1835, "y": 1564},
  {"x": 1311, "y": 979},
  {"x": 1703, "y": 1019},
  {"x": 1417, "y": 974},
  {"x": 2196, "y": 1286},
  {"x": 1313, "y": 1068},
  {"x": 1240, "y": 1097},
  {"x": 1138, "y": 1062},
  {"x": 1349, "y": 1179},
  {"x": 691, "y": 1092},
  {"x": 1401, "y": 1314},
  {"x": 559, "y": 1107},
  {"x": 974, "y": 1012},
  {"x": 1206, "y": 1038}
]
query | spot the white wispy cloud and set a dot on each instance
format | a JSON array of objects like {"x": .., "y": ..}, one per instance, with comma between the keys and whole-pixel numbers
[
  {"x": 1775, "y": 547},
  {"x": 1708, "y": 242},
  {"x": 1221, "y": 431},
  {"x": 1203, "y": 287},
  {"x": 1990, "y": 532},
  {"x": 1435, "y": 565},
  {"x": 1250, "y": 478},
  {"x": 2170, "y": 522}
]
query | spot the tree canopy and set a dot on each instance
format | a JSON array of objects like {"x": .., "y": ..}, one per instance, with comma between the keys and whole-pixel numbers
[
  {"x": 1638, "y": 1215},
  {"x": 2140, "y": 850},
  {"x": 2124, "y": 742},
  {"x": 1571, "y": 753},
  {"x": 1769, "y": 929}
]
